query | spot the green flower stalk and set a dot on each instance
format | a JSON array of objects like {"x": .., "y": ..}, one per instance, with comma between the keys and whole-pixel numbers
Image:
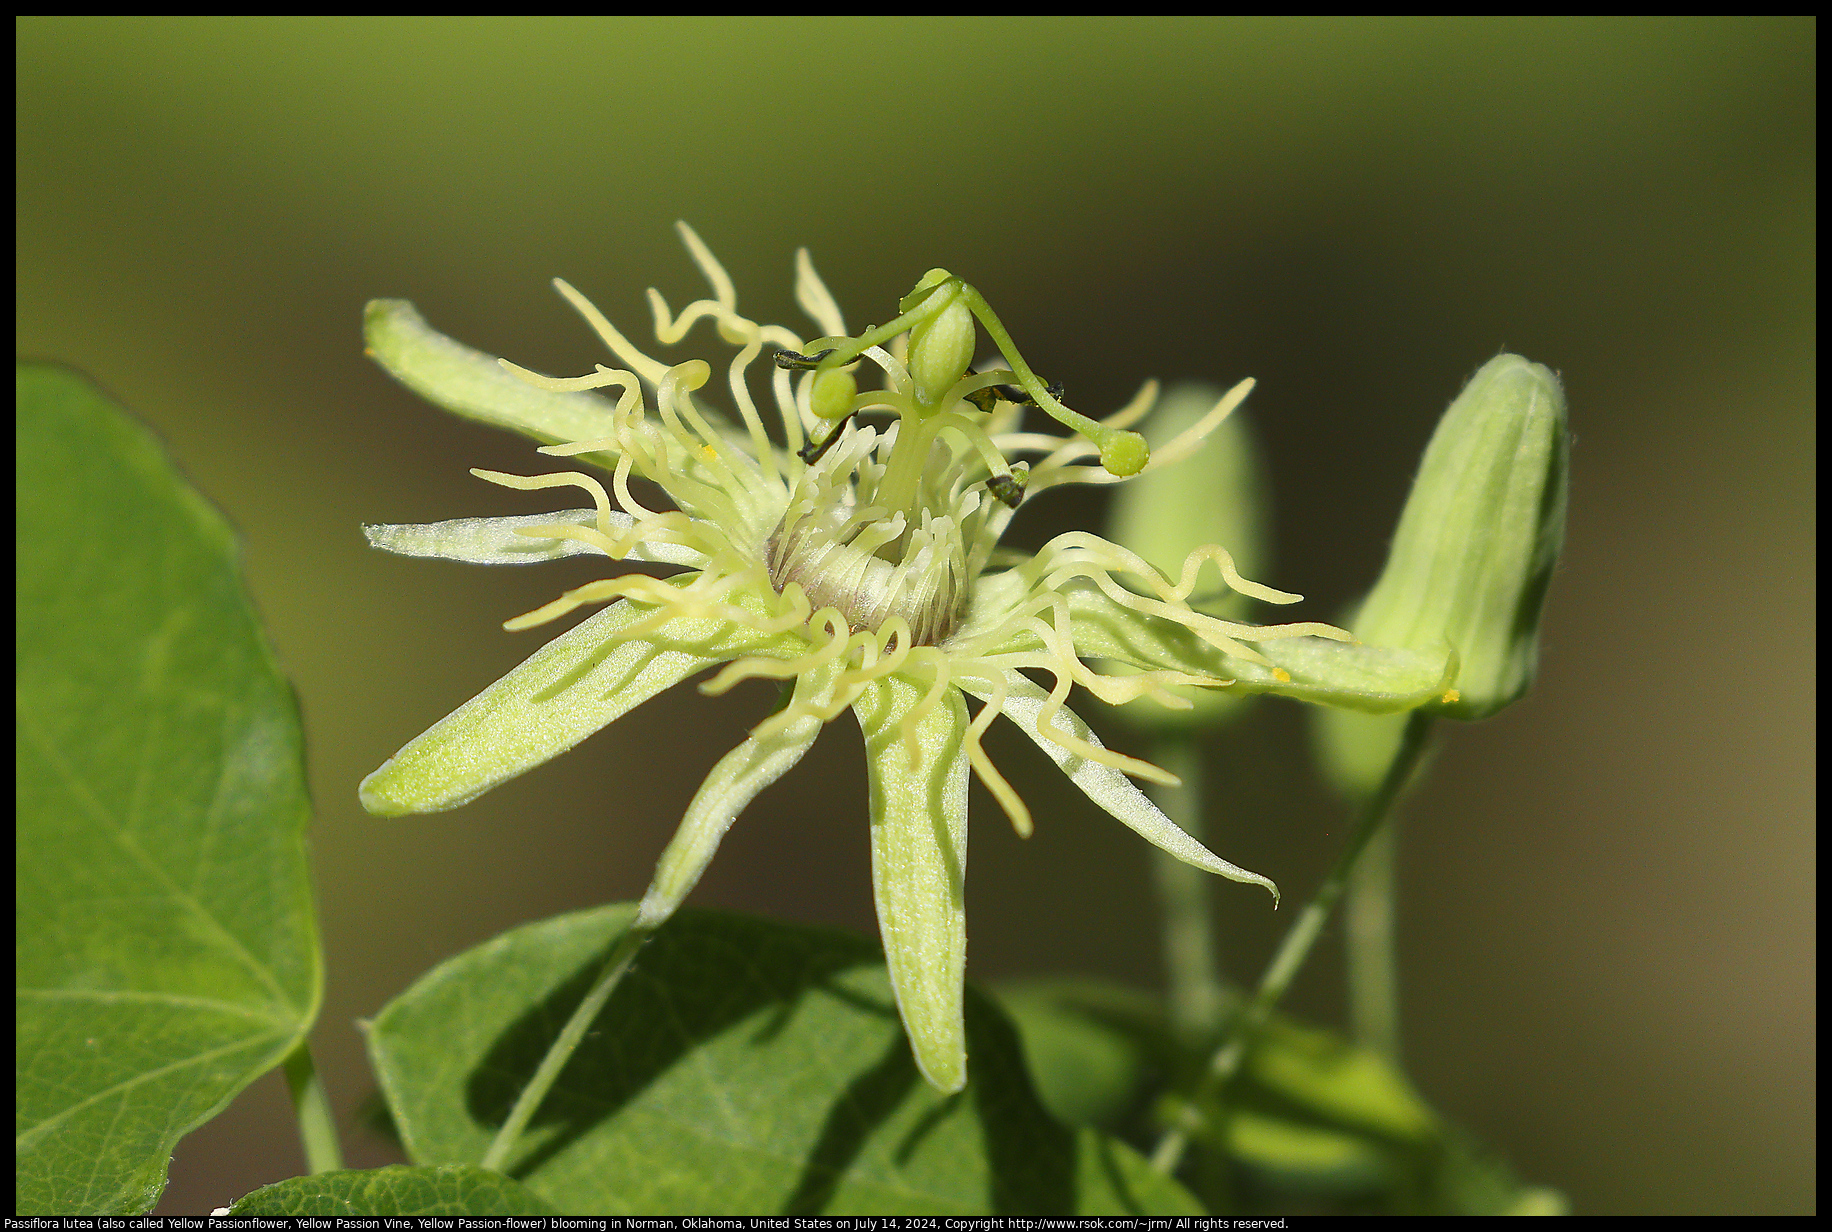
[{"x": 858, "y": 562}]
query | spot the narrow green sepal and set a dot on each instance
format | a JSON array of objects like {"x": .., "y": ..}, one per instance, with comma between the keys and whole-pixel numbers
[
  {"x": 500, "y": 541},
  {"x": 1349, "y": 675},
  {"x": 470, "y": 383},
  {"x": 1024, "y": 705},
  {"x": 919, "y": 865},
  {"x": 1374, "y": 679},
  {"x": 576, "y": 684}
]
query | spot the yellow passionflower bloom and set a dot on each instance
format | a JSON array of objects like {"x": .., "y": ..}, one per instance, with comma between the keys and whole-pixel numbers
[{"x": 845, "y": 542}]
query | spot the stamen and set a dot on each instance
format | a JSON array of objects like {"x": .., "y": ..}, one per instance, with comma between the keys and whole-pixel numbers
[
  {"x": 648, "y": 369},
  {"x": 722, "y": 288},
  {"x": 565, "y": 479}
]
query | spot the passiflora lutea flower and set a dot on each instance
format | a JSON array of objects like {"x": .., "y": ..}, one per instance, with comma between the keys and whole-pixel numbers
[{"x": 845, "y": 543}]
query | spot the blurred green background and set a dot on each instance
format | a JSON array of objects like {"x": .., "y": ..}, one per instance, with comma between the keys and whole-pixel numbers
[{"x": 1608, "y": 893}]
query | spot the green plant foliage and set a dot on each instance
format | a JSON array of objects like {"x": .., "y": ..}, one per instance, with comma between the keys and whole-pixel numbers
[
  {"x": 742, "y": 1067},
  {"x": 167, "y": 951},
  {"x": 1094, "y": 1048},
  {"x": 1315, "y": 1124},
  {"x": 452, "y": 1189}
]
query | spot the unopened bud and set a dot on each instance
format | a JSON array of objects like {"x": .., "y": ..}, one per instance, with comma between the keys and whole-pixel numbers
[{"x": 1479, "y": 536}]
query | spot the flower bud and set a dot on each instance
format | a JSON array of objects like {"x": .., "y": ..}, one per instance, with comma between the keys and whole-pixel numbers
[
  {"x": 1479, "y": 536},
  {"x": 941, "y": 347}
]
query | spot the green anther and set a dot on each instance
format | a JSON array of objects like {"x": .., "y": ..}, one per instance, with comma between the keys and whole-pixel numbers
[{"x": 834, "y": 391}]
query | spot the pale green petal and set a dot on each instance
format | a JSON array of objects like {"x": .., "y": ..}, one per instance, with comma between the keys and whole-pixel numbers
[
  {"x": 565, "y": 691},
  {"x": 1104, "y": 785},
  {"x": 1376, "y": 679},
  {"x": 733, "y": 783},
  {"x": 494, "y": 541},
  {"x": 472, "y": 384},
  {"x": 919, "y": 865}
]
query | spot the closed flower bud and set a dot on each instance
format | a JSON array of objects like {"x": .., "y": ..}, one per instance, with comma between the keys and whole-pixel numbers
[{"x": 1479, "y": 536}]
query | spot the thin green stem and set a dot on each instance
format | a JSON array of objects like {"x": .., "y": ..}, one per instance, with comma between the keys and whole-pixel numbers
[
  {"x": 1121, "y": 452},
  {"x": 1197, "y": 998},
  {"x": 845, "y": 350},
  {"x": 312, "y": 1107},
  {"x": 1298, "y": 942},
  {"x": 1373, "y": 968},
  {"x": 1027, "y": 380},
  {"x": 564, "y": 1045}
]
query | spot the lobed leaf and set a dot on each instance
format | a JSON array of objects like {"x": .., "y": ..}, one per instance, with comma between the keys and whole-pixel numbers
[{"x": 166, "y": 947}]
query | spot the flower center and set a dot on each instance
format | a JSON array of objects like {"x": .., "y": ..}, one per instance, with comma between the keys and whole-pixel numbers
[{"x": 852, "y": 554}]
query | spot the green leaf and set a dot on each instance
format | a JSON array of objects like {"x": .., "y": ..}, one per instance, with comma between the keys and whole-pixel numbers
[
  {"x": 1091, "y": 1046},
  {"x": 1339, "y": 1082},
  {"x": 455, "y": 1189},
  {"x": 742, "y": 1067},
  {"x": 1305, "y": 1158},
  {"x": 1314, "y": 1123},
  {"x": 167, "y": 952}
]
